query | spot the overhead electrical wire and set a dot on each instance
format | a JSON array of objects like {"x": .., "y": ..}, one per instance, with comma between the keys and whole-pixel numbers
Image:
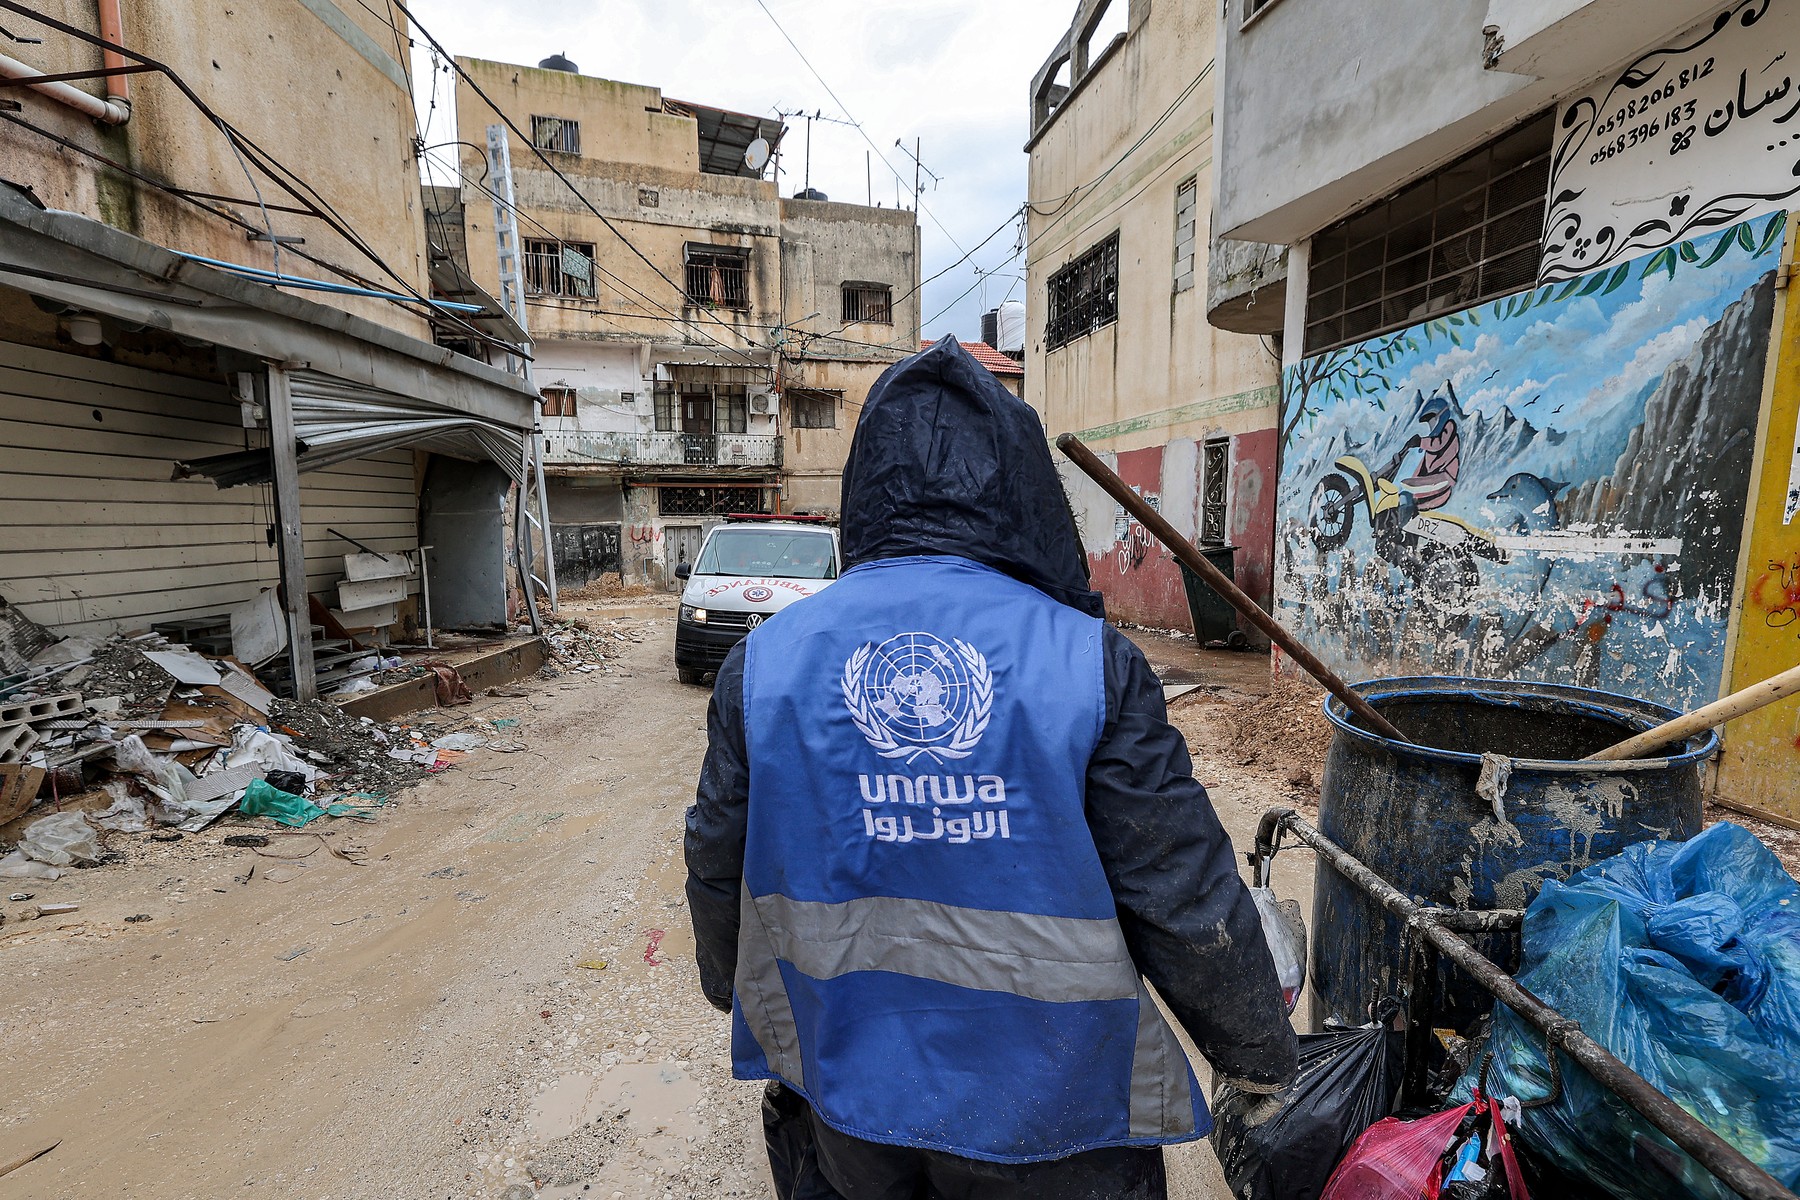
[
  {"x": 550, "y": 166},
  {"x": 276, "y": 171},
  {"x": 845, "y": 109},
  {"x": 1063, "y": 201}
]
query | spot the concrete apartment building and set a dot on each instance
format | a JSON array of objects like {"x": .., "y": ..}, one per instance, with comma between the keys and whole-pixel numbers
[
  {"x": 1540, "y": 391},
  {"x": 214, "y": 343},
  {"x": 702, "y": 344},
  {"x": 1118, "y": 347}
]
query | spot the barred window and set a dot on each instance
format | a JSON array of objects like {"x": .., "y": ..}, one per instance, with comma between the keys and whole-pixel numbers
[
  {"x": 1254, "y": 7},
  {"x": 556, "y": 133},
  {"x": 1468, "y": 234},
  {"x": 1084, "y": 295},
  {"x": 872, "y": 303},
  {"x": 558, "y": 401},
  {"x": 559, "y": 268},
  {"x": 808, "y": 409},
  {"x": 717, "y": 276},
  {"x": 682, "y": 500},
  {"x": 1215, "y": 477}
]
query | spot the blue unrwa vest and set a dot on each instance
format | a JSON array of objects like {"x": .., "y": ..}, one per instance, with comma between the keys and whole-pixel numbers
[{"x": 929, "y": 951}]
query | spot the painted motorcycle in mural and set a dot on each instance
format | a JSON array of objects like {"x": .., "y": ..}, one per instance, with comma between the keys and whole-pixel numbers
[{"x": 1437, "y": 551}]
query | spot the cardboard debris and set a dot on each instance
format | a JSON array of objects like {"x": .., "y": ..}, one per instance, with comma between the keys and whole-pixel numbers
[{"x": 18, "y": 789}]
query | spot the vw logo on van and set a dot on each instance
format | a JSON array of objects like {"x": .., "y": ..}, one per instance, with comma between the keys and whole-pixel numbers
[{"x": 753, "y": 620}]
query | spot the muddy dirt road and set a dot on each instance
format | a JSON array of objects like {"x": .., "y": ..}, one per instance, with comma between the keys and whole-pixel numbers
[{"x": 433, "y": 1022}]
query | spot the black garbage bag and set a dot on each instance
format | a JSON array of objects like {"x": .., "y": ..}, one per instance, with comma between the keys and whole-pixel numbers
[{"x": 1348, "y": 1081}]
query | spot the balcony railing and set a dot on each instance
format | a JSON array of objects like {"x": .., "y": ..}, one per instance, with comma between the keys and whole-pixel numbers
[{"x": 662, "y": 449}]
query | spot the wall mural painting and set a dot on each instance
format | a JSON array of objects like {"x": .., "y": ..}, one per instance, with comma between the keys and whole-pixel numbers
[{"x": 1551, "y": 486}]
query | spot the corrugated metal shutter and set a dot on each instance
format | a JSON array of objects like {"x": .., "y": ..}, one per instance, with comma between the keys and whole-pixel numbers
[{"x": 95, "y": 537}]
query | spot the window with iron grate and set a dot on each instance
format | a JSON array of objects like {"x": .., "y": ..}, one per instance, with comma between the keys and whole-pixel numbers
[
  {"x": 717, "y": 276},
  {"x": 556, "y": 133},
  {"x": 558, "y": 401},
  {"x": 680, "y": 500},
  {"x": 1471, "y": 233},
  {"x": 1255, "y": 8},
  {"x": 869, "y": 303},
  {"x": 1215, "y": 490},
  {"x": 808, "y": 409},
  {"x": 1084, "y": 295},
  {"x": 559, "y": 268}
]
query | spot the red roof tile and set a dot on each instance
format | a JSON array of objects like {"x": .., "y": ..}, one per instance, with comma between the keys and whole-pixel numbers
[{"x": 988, "y": 357}]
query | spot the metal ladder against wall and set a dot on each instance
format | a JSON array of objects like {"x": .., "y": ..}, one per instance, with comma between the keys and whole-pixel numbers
[{"x": 533, "y": 493}]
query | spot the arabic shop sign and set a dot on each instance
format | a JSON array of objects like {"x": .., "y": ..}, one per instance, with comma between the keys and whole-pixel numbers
[{"x": 1690, "y": 138}]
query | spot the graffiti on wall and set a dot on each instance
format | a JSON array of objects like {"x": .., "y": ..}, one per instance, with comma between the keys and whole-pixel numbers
[{"x": 1551, "y": 486}]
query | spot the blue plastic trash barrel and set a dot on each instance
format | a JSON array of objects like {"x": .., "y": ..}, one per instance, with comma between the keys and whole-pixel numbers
[{"x": 1413, "y": 814}]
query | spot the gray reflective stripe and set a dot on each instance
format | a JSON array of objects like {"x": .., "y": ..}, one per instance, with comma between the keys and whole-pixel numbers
[
  {"x": 1162, "y": 1099},
  {"x": 1056, "y": 959},
  {"x": 762, "y": 996}
]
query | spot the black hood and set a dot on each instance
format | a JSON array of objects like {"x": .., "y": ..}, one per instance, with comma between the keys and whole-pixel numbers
[{"x": 946, "y": 461}]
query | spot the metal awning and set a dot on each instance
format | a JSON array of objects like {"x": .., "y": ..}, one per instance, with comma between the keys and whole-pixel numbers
[
  {"x": 367, "y": 387},
  {"x": 335, "y": 421},
  {"x": 725, "y": 135}
]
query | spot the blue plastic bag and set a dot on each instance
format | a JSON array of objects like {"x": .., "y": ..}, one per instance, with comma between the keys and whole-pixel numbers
[{"x": 1683, "y": 959}]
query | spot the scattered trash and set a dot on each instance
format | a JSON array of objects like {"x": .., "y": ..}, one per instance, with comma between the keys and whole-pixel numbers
[
  {"x": 261, "y": 800},
  {"x": 655, "y": 944},
  {"x": 459, "y": 741},
  {"x": 20, "y": 897},
  {"x": 1348, "y": 1080},
  {"x": 246, "y": 840},
  {"x": 593, "y": 964},
  {"x": 17, "y": 865},
  {"x": 1285, "y": 931},
  {"x": 1683, "y": 959},
  {"x": 57, "y": 910},
  {"x": 167, "y": 835},
  {"x": 291, "y": 955},
  {"x": 60, "y": 839},
  {"x": 139, "y": 919}
]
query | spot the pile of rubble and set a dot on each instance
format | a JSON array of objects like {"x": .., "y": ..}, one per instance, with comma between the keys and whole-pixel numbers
[
  {"x": 584, "y": 646},
  {"x": 140, "y": 732}
]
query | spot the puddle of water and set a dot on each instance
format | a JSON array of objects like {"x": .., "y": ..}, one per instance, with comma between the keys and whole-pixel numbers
[{"x": 658, "y": 1095}]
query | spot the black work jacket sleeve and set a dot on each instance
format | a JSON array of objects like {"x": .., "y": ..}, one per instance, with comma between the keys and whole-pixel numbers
[
  {"x": 716, "y": 828},
  {"x": 1189, "y": 921}
]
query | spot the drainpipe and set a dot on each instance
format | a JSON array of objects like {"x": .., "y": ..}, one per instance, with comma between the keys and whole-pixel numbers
[
  {"x": 116, "y": 108},
  {"x": 112, "y": 29}
]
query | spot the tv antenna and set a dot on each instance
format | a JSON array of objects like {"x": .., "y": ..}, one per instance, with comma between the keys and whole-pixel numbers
[{"x": 809, "y": 118}]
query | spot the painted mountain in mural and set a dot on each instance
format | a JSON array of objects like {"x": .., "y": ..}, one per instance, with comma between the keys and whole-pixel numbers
[{"x": 1550, "y": 486}]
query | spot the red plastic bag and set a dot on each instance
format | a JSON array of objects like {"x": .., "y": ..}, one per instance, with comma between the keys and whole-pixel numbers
[{"x": 1403, "y": 1160}]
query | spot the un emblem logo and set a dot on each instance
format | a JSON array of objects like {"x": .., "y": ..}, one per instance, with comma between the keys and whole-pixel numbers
[{"x": 917, "y": 694}]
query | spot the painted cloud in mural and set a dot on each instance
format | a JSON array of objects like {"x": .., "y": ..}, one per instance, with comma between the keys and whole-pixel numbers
[{"x": 1550, "y": 486}]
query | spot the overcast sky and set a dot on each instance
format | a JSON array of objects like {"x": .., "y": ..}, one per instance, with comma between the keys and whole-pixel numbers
[{"x": 951, "y": 73}]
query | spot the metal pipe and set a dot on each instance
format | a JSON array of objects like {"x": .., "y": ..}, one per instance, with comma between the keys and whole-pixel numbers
[
  {"x": 1725, "y": 1161},
  {"x": 1181, "y": 548},
  {"x": 112, "y": 29},
  {"x": 108, "y": 112}
]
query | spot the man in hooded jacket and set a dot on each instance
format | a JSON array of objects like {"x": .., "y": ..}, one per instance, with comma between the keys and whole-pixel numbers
[{"x": 944, "y": 833}]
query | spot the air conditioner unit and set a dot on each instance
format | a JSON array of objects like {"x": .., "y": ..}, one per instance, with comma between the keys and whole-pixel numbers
[{"x": 759, "y": 402}]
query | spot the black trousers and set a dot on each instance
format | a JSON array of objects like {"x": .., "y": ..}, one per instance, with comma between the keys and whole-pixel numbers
[{"x": 812, "y": 1161}]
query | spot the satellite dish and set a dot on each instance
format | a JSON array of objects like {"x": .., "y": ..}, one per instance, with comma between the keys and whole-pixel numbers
[{"x": 756, "y": 154}]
